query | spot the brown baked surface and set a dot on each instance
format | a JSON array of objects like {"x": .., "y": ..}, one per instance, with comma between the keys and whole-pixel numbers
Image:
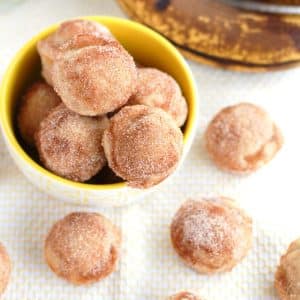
[
  {"x": 221, "y": 35},
  {"x": 283, "y": 2}
]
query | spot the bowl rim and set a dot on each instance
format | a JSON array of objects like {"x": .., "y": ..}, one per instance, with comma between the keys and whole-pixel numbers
[{"x": 8, "y": 131}]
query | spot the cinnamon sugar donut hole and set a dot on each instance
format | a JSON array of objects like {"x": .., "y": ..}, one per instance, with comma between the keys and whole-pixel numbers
[
  {"x": 158, "y": 89},
  {"x": 83, "y": 247},
  {"x": 84, "y": 40},
  {"x": 184, "y": 296},
  {"x": 71, "y": 28},
  {"x": 70, "y": 145},
  {"x": 143, "y": 145},
  {"x": 211, "y": 235},
  {"x": 287, "y": 278},
  {"x": 35, "y": 105},
  {"x": 242, "y": 138},
  {"x": 50, "y": 47},
  {"x": 5, "y": 269},
  {"x": 94, "y": 80}
]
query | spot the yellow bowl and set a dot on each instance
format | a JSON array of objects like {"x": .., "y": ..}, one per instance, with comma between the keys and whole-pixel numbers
[{"x": 148, "y": 48}]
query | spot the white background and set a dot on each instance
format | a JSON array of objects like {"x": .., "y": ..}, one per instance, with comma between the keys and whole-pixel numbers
[{"x": 149, "y": 268}]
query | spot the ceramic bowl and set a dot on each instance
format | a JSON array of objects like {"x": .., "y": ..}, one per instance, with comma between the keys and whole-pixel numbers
[{"x": 149, "y": 49}]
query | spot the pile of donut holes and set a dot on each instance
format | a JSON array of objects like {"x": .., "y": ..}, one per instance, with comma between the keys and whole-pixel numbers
[{"x": 70, "y": 109}]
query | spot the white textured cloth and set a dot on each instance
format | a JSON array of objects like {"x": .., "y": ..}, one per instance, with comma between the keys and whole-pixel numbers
[{"x": 149, "y": 268}]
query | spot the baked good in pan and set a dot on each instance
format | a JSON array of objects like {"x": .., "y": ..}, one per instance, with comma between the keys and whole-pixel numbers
[{"x": 250, "y": 41}]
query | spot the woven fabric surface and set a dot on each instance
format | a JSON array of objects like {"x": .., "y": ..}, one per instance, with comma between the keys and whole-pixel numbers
[{"x": 149, "y": 268}]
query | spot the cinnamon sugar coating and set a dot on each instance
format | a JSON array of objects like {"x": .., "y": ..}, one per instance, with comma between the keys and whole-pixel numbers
[
  {"x": 242, "y": 138},
  {"x": 35, "y": 105},
  {"x": 70, "y": 144},
  {"x": 287, "y": 277},
  {"x": 71, "y": 28},
  {"x": 158, "y": 89},
  {"x": 83, "y": 247},
  {"x": 184, "y": 296},
  {"x": 211, "y": 235},
  {"x": 51, "y": 47},
  {"x": 143, "y": 145},
  {"x": 5, "y": 269},
  {"x": 94, "y": 80},
  {"x": 84, "y": 40}
]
